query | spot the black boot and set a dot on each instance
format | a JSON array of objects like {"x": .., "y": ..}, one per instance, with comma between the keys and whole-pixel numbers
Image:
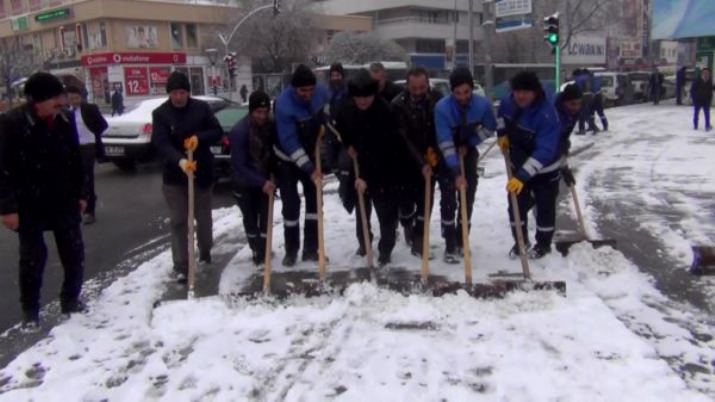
[
  {"x": 74, "y": 306},
  {"x": 384, "y": 259},
  {"x": 450, "y": 250},
  {"x": 30, "y": 321},
  {"x": 539, "y": 251},
  {"x": 514, "y": 252},
  {"x": 290, "y": 258}
]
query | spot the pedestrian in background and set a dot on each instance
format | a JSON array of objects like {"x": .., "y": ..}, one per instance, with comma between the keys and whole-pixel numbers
[
  {"x": 679, "y": 85},
  {"x": 655, "y": 85},
  {"x": 117, "y": 102},
  {"x": 701, "y": 93},
  {"x": 182, "y": 124},
  {"x": 42, "y": 188},
  {"x": 90, "y": 124},
  {"x": 244, "y": 92}
]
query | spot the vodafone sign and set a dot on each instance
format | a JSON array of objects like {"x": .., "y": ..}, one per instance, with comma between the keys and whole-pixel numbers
[{"x": 100, "y": 59}]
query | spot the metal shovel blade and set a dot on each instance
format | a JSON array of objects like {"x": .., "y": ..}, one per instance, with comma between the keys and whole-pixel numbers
[{"x": 563, "y": 246}]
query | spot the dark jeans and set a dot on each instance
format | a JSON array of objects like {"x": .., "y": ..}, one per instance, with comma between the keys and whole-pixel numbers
[
  {"x": 177, "y": 199},
  {"x": 597, "y": 108},
  {"x": 586, "y": 115},
  {"x": 253, "y": 203},
  {"x": 289, "y": 175},
  {"x": 386, "y": 204},
  {"x": 696, "y": 114},
  {"x": 33, "y": 258},
  {"x": 540, "y": 192},
  {"x": 88, "y": 153}
]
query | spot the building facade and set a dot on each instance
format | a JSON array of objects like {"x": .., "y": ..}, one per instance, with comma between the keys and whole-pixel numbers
[
  {"x": 131, "y": 45},
  {"x": 431, "y": 32}
]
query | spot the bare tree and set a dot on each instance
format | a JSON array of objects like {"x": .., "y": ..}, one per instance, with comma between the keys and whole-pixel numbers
[
  {"x": 583, "y": 16},
  {"x": 16, "y": 61},
  {"x": 275, "y": 42},
  {"x": 360, "y": 48}
]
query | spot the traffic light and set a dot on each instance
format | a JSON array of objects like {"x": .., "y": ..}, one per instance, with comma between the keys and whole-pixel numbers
[
  {"x": 551, "y": 28},
  {"x": 230, "y": 60}
]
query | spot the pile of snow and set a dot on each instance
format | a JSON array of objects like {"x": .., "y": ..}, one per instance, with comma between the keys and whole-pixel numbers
[{"x": 372, "y": 343}]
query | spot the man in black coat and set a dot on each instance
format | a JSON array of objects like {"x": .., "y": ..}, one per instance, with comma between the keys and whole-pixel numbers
[
  {"x": 655, "y": 85},
  {"x": 414, "y": 109},
  {"x": 117, "y": 102},
  {"x": 90, "y": 124},
  {"x": 253, "y": 162},
  {"x": 701, "y": 92},
  {"x": 386, "y": 88},
  {"x": 369, "y": 130},
  {"x": 180, "y": 124},
  {"x": 42, "y": 189}
]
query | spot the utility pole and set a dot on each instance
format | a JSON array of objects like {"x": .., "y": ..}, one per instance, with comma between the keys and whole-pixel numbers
[
  {"x": 487, "y": 29},
  {"x": 471, "y": 36}
]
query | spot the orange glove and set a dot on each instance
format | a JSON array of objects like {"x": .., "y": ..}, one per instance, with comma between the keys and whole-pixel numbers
[
  {"x": 515, "y": 185},
  {"x": 187, "y": 166},
  {"x": 503, "y": 142},
  {"x": 431, "y": 157},
  {"x": 191, "y": 143}
]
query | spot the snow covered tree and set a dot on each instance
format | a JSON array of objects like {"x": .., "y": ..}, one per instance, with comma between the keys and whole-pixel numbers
[
  {"x": 16, "y": 61},
  {"x": 359, "y": 48}
]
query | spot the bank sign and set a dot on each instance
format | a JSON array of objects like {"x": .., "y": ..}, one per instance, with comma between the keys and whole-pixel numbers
[{"x": 585, "y": 50}]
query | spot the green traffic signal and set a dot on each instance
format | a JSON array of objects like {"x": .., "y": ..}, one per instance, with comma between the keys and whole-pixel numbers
[{"x": 553, "y": 38}]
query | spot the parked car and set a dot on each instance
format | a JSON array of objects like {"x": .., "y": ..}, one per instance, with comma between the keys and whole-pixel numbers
[
  {"x": 228, "y": 117},
  {"x": 441, "y": 85},
  {"x": 639, "y": 80},
  {"x": 127, "y": 141},
  {"x": 616, "y": 87}
]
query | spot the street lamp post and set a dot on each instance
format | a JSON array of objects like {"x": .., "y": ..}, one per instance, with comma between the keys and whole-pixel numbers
[{"x": 212, "y": 55}]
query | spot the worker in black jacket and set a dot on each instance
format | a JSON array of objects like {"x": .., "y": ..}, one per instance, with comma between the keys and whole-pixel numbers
[
  {"x": 90, "y": 125},
  {"x": 42, "y": 189},
  {"x": 385, "y": 88},
  {"x": 701, "y": 91},
  {"x": 414, "y": 110},
  {"x": 180, "y": 124},
  {"x": 369, "y": 131},
  {"x": 253, "y": 162}
]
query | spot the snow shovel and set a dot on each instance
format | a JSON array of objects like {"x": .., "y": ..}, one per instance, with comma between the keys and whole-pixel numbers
[
  {"x": 525, "y": 283},
  {"x": 703, "y": 260},
  {"x": 367, "y": 244},
  {"x": 192, "y": 251},
  {"x": 267, "y": 268},
  {"x": 319, "y": 198},
  {"x": 425, "y": 231},
  {"x": 563, "y": 246},
  {"x": 465, "y": 227}
]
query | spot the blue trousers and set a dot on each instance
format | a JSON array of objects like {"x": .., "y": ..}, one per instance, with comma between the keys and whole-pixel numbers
[{"x": 696, "y": 114}]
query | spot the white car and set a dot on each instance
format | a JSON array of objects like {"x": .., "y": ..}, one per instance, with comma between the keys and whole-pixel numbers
[
  {"x": 441, "y": 85},
  {"x": 128, "y": 138}
]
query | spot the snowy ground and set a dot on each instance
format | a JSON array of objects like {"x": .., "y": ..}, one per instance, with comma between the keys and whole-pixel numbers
[{"x": 606, "y": 340}]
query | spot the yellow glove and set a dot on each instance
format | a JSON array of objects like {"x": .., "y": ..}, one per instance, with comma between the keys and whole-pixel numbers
[
  {"x": 503, "y": 142},
  {"x": 191, "y": 143},
  {"x": 514, "y": 185},
  {"x": 431, "y": 157},
  {"x": 187, "y": 166}
]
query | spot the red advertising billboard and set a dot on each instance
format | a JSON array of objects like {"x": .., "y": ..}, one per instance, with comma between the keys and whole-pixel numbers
[
  {"x": 136, "y": 81},
  {"x": 159, "y": 75},
  {"x": 133, "y": 58}
]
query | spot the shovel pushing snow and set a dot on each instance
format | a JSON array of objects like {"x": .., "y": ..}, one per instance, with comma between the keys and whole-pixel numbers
[{"x": 563, "y": 246}]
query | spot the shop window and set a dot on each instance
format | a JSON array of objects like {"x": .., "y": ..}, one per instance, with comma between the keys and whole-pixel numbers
[
  {"x": 177, "y": 36},
  {"x": 192, "y": 36},
  {"x": 103, "y": 34}
]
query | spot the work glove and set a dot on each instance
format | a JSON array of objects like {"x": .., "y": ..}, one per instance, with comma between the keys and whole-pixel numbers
[
  {"x": 187, "y": 166},
  {"x": 567, "y": 174},
  {"x": 503, "y": 142},
  {"x": 191, "y": 143},
  {"x": 515, "y": 185}
]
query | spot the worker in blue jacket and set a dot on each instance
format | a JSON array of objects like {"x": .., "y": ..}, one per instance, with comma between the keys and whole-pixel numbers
[
  {"x": 568, "y": 104},
  {"x": 463, "y": 120},
  {"x": 253, "y": 162},
  {"x": 583, "y": 79},
  {"x": 596, "y": 107},
  {"x": 529, "y": 129},
  {"x": 299, "y": 116}
]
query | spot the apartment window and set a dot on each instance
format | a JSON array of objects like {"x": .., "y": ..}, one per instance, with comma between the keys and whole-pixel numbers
[
  {"x": 192, "y": 36},
  {"x": 16, "y": 6},
  {"x": 429, "y": 46},
  {"x": 35, "y": 5},
  {"x": 103, "y": 34},
  {"x": 462, "y": 46},
  {"x": 177, "y": 36}
]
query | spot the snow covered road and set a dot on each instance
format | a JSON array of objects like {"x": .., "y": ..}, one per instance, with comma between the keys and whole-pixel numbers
[{"x": 614, "y": 336}]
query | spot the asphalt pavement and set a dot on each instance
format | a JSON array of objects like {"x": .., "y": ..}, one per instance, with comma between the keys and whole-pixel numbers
[{"x": 132, "y": 222}]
